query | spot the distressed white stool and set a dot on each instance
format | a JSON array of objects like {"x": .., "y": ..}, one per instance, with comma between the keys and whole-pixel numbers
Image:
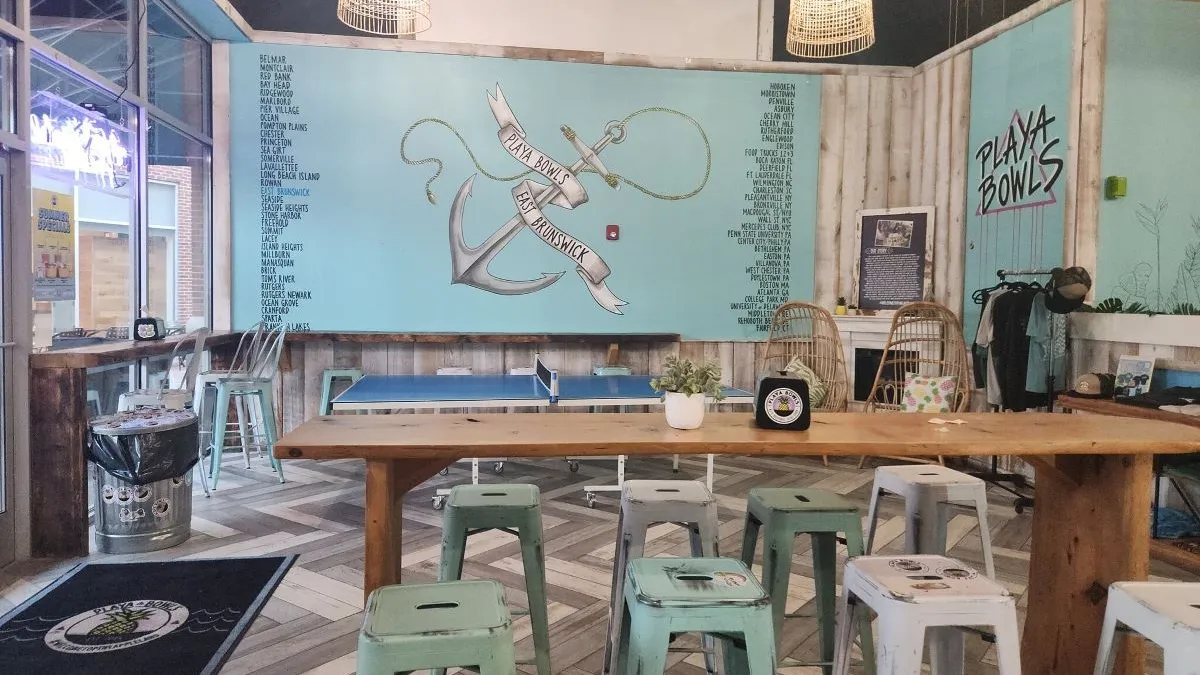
[
  {"x": 918, "y": 592},
  {"x": 1166, "y": 613},
  {"x": 928, "y": 491},
  {"x": 645, "y": 503}
]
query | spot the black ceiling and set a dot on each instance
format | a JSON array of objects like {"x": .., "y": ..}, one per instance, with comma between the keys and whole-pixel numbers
[{"x": 907, "y": 31}]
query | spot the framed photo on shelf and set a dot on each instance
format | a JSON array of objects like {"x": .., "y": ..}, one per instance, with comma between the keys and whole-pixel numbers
[{"x": 1133, "y": 376}]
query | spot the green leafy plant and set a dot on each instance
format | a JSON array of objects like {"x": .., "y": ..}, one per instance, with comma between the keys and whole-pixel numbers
[
  {"x": 684, "y": 377},
  {"x": 841, "y": 301}
]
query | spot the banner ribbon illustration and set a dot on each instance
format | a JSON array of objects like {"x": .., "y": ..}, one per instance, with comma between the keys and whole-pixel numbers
[{"x": 570, "y": 193}]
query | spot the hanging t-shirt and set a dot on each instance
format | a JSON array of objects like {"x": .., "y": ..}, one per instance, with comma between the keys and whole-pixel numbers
[
  {"x": 1047, "y": 333},
  {"x": 983, "y": 338}
]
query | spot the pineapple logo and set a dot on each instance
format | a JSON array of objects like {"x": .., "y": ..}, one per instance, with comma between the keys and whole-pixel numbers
[{"x": 114, "y": 627}]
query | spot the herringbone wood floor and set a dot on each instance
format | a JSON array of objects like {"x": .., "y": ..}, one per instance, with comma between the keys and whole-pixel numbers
[{"x": 310, "y": 625}]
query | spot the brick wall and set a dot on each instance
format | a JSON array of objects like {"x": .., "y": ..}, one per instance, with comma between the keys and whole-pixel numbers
[{"x": 191, "y": 283}]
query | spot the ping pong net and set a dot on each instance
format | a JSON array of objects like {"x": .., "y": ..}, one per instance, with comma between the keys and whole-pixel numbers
[{"x": 547, "y": 378}]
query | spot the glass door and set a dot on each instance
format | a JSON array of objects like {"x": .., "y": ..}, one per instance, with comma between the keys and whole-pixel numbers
[{"x": 8, "y": 541}]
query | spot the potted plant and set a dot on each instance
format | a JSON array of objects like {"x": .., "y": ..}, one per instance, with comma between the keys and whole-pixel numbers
[
  {"x": 840, "y": 310},
  {"x": 685, "y": 386},
  {"x": 852, "y": 310}
]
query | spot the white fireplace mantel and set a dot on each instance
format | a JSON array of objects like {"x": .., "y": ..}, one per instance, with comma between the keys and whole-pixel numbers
[{"x": 861, "y": 332}]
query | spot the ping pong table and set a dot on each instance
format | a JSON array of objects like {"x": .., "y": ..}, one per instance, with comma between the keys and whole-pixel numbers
[{"x": 537, "y": 387}]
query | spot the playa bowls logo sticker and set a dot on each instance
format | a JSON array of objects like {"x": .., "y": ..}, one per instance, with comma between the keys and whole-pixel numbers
[
  {"x": 784, "y": 405},
  {"x": 120, "y": 626}
]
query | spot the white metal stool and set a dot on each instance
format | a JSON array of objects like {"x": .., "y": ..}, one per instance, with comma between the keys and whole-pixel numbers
[
  {"x": 928, "y": 491},
  {"x": 645, "y": 503},
  {"x": 915, "y": 592},
  {"x": 1166, "y": 613}
]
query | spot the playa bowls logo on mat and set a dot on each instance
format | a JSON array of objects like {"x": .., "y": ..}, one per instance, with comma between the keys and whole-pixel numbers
[{"x": 114, "y": 627}]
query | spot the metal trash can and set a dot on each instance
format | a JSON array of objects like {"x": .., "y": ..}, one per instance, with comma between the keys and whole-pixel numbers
[{"x": 143, "y": 492}]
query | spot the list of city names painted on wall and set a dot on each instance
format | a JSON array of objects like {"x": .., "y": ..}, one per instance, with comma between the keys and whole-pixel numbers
[
  {"x": 285, "y": 190},
  {"x": 766, "y": 229}
]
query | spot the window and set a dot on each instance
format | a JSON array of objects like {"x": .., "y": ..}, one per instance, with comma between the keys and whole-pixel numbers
[
  {"x": 93, "y": 32},
  {"x": 177, "y": 67},
  {"x": 82, "y": 151},
  {"x": 7, "y": 89},
  {"x": 178, "y": 173}
]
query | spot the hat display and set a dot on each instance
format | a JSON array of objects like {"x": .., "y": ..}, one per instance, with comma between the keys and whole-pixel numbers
[{"x": 1067, "y": 289}]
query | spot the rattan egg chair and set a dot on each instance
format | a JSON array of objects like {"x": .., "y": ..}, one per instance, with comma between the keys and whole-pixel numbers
[
  {"x": 806, "y": 333},
  {"x": 925, "y": 339}
]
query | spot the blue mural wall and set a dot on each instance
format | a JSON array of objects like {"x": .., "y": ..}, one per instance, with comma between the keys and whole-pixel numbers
[
  {"x": 1149, "y": 249},
  {"x": 385, "y": 191},
  {"x": 1016, "y": 177}
]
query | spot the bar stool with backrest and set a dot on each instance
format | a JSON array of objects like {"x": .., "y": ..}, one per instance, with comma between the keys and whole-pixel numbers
[
  {"x": 1166, "y": 613},
  {"x": 650, "y": 502},
  {"x": 253, "y": 396},
  {"x": 804, "y": 340},
  {"x": 203, "y": 402},
  {"x": 912, "y": 594},
  {"x": 328, "y": 376},
  {"x": 181, "y": 397},
  {"x": 166, "y": 396}
]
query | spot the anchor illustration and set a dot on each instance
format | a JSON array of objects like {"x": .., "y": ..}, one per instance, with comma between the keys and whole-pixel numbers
[{"x": 469, "y": 264}]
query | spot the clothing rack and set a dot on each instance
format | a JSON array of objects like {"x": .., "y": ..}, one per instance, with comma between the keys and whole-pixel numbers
[{"x": 994, "y": 475}]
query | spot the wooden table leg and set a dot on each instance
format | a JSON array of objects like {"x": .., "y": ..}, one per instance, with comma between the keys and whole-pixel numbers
[
  {"x": 388, "y": 481},
  {"x": 1091, "y": 527},
  {"x": 58, "y": 418}
]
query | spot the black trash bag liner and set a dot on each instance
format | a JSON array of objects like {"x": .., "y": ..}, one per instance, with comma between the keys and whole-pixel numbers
[{"x": 144, "y": 446}]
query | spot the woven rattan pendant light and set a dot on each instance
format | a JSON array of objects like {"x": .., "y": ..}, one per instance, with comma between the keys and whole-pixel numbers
[
  {"x": 394, "y": 18},
  {"x": 826, "y": 29}
]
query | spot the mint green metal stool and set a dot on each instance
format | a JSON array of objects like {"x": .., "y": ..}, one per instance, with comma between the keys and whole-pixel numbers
[
  {"x": 515, "y": 509},
  {"x": 419, "y": 626},
  {"x": 717, "y": 596},
  {"x": 327, "y": 378},
  {"x": 785, "y": 513}
]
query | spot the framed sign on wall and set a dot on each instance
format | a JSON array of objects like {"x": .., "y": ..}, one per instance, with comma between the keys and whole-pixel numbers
[{"x": 894, "y": 265}]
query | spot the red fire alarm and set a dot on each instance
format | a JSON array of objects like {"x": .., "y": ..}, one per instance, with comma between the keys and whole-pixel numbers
[{"x": 612, "y": 232}]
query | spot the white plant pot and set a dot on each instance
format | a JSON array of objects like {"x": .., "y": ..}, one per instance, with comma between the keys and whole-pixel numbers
[{"x": 684, "y": 411}]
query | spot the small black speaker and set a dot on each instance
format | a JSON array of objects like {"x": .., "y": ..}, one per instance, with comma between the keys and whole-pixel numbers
[{"x": 782, "y": 403}]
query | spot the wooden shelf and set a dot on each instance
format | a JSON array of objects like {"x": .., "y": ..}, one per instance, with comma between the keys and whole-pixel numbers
[
  {"x": 1101, "y": 406},
  {"x": 124, "y": 351},
  {"x": 512, "y": 338}
]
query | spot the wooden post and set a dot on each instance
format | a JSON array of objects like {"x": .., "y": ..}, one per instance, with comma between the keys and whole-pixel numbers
[
  {"x": 387, "y": 481},
  {"x": 57, "y": 467},
  {"x": 1087, "y": 533}
]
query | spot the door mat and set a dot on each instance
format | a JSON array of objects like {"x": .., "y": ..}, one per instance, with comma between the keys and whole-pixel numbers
[{"x": 182, "y": 617}]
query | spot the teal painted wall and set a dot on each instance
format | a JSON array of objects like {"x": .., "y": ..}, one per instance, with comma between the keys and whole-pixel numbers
[
  {"x": 364, "y": 249},
  {"x": 1016, "y": 177},
  {"x": 1149, "y": 248}
]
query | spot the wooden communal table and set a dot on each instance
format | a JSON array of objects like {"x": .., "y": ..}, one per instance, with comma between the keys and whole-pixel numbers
[
  {"x": 58, "y": 415},
  {"x": 1090, "y": 526}
]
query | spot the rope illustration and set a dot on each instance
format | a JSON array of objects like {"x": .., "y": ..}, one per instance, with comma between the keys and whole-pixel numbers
[{"x": 611, "y": 178}]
